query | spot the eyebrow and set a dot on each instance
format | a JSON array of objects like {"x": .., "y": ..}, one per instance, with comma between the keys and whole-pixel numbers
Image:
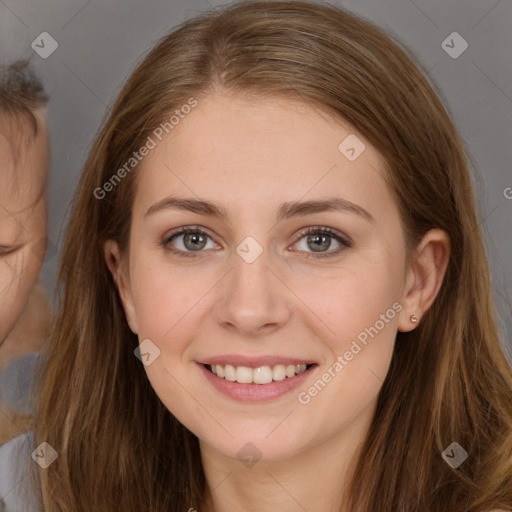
[{"x": 285, "y": 211}]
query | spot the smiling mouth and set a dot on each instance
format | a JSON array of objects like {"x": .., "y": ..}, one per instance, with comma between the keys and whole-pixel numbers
[{"x": 260, "y": 375}]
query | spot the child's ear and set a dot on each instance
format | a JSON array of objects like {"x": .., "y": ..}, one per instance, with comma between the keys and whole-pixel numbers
[{"x": 122, "y": 281}]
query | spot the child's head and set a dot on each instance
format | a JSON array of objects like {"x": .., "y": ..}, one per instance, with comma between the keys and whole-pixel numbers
[
  {"x": 190, "y": 236},
  {"x": 23, "y": 176}
]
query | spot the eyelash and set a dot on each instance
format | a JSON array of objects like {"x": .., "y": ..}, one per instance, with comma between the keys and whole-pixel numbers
[
  {"x": 314, "y": 230},
  {"x": 4, "y": 251}
]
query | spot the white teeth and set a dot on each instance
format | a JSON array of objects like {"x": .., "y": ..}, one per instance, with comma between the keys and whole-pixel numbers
[
  {"x": 290, "y": 370},
  {"x": 279, "y": 372},
  {"x": 243, "y": 375},
  {"x": 230, "y": 373},
  {"x": 260, "y": 375}
]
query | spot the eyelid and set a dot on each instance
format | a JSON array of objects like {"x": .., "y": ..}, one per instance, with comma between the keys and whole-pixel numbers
[
  {"x": 4, "y": 250},
  {"x": 187, "y": 229}
]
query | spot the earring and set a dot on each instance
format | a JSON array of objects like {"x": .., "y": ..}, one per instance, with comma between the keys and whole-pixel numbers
[{"x": 414, "y": 319}]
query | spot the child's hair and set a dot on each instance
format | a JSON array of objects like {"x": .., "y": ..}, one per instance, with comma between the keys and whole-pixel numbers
[
  {"x": 21, "y": 95},
  {"x": 21, "y": 92},
  {"x": 118, "y": 446}
]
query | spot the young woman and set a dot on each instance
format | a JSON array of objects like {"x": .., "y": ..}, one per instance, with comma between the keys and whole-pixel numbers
[{"x": 275, "y": 293}]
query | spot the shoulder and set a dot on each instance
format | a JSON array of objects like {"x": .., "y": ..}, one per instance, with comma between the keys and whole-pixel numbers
[{"x": 14, "y": 466}]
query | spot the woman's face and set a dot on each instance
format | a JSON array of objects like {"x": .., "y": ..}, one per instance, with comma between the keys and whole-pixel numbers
[{"x": 257, "y": 293}]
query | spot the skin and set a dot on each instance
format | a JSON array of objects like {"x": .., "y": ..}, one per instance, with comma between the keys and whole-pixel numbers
[
  {"x": 23, "y": 217},
  {"x": 251, "y": 155}
]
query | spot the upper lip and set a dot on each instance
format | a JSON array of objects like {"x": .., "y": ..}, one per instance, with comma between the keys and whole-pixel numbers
[{"x": 254, "y": 361}]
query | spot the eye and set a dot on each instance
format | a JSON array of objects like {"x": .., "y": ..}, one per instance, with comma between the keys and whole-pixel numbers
[
  {"x": 4, "y": 250},
  {"x": 194, "y": 240},
  {"x": 320, "y": 238}
]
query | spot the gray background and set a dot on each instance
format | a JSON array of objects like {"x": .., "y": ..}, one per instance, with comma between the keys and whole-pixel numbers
[{"x": 100, "y": 42}]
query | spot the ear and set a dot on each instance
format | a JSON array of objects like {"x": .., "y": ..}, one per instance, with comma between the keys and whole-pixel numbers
[
  {"x": 425, "y": 277},
  {"x": 121, "y": 279}
]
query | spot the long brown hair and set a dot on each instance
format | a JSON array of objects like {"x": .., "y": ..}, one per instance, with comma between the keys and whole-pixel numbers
[{"x": 449, "y": 380}]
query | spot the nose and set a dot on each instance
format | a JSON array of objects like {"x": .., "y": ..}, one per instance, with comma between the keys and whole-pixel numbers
[{"x": 253, "y": 300}]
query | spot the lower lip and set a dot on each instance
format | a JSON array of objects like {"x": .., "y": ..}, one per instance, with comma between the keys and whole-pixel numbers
[{"x": 256, "y": 392}]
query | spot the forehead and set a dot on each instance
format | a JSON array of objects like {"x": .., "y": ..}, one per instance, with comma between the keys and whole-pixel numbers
[
  {"x": 253, "y": 152},
  {"x": 24, "y": 163}
]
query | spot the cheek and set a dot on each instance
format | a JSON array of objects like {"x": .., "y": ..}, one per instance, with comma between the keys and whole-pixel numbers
[
  {"x": 167, "y": 309},
  {"x": 352, "y": 299},
  {"x": 363, "y": 316},
  {"x": 370, "y": 288},
  {"x": 17, "y": 277},
  {"x": 163, "y": 298},
  {"x": 10, "y": 303},
  {"x": 357, "y": 314},
  {"x": 360, "y": 301}
]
